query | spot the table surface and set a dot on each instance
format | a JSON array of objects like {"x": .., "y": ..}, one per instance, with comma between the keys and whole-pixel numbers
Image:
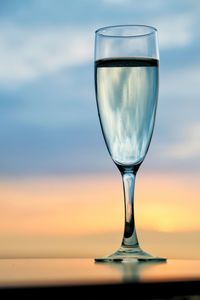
[
  {"x": 79, "y": 272},
  {"x": 61, "y": 273}
]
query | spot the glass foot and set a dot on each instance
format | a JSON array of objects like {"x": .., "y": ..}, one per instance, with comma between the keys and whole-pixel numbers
[{"x": 130, "y": 254}]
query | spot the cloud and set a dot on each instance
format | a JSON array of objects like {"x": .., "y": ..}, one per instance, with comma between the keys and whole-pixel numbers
[
  {"x": 28, "y": 53},
  {"x": 175, "y": 30},
  {"x": 188, "y": 147},
  {"x": 182, "y": 81},
  {"x": 139, "y": 6},
  {"x": 116, "y": 2}
]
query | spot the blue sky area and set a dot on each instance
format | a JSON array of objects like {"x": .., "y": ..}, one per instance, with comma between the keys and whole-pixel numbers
[{"x": 49, "y": 122}]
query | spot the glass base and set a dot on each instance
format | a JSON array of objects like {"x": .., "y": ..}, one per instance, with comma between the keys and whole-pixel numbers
[{"x": 130, "y": 254}]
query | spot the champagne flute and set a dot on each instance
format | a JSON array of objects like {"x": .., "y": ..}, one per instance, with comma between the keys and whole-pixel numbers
[{"x": 126, "y": 84}]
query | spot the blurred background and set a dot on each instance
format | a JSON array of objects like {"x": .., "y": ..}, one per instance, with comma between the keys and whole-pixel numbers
[{"x": 60, "y": 193}]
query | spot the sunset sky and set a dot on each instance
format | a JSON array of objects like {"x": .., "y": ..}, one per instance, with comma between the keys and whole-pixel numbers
[{"x": 60, "y": 193}]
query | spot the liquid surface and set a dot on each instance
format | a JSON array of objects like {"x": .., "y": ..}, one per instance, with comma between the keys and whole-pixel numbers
[{"x": 127, "y": 92}]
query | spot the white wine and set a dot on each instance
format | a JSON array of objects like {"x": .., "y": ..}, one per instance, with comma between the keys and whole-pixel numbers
[{"x": 126, "y": 93}]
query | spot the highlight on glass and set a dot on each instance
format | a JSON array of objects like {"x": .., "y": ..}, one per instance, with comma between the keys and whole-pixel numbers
[{"x": 126, "y": 85}]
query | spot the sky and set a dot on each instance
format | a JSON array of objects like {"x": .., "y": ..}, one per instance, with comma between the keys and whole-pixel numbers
[
  {"x": 49, "y": 122},
  {"x": 50, "y": 136}
]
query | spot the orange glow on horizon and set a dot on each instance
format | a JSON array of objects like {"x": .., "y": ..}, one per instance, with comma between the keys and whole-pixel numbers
[
  {"x": 53, "y": 205},
  {"x": 43, "y": 215}
]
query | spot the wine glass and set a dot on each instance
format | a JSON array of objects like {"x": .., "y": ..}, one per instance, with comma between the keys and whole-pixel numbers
[{"x": 126, "y": 84}]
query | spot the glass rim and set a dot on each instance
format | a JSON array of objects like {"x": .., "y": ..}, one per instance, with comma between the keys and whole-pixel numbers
[{"x": 100, "y": 32}]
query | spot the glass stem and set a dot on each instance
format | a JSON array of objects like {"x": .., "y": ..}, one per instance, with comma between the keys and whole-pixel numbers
[{"x": 130, "y": 237}]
